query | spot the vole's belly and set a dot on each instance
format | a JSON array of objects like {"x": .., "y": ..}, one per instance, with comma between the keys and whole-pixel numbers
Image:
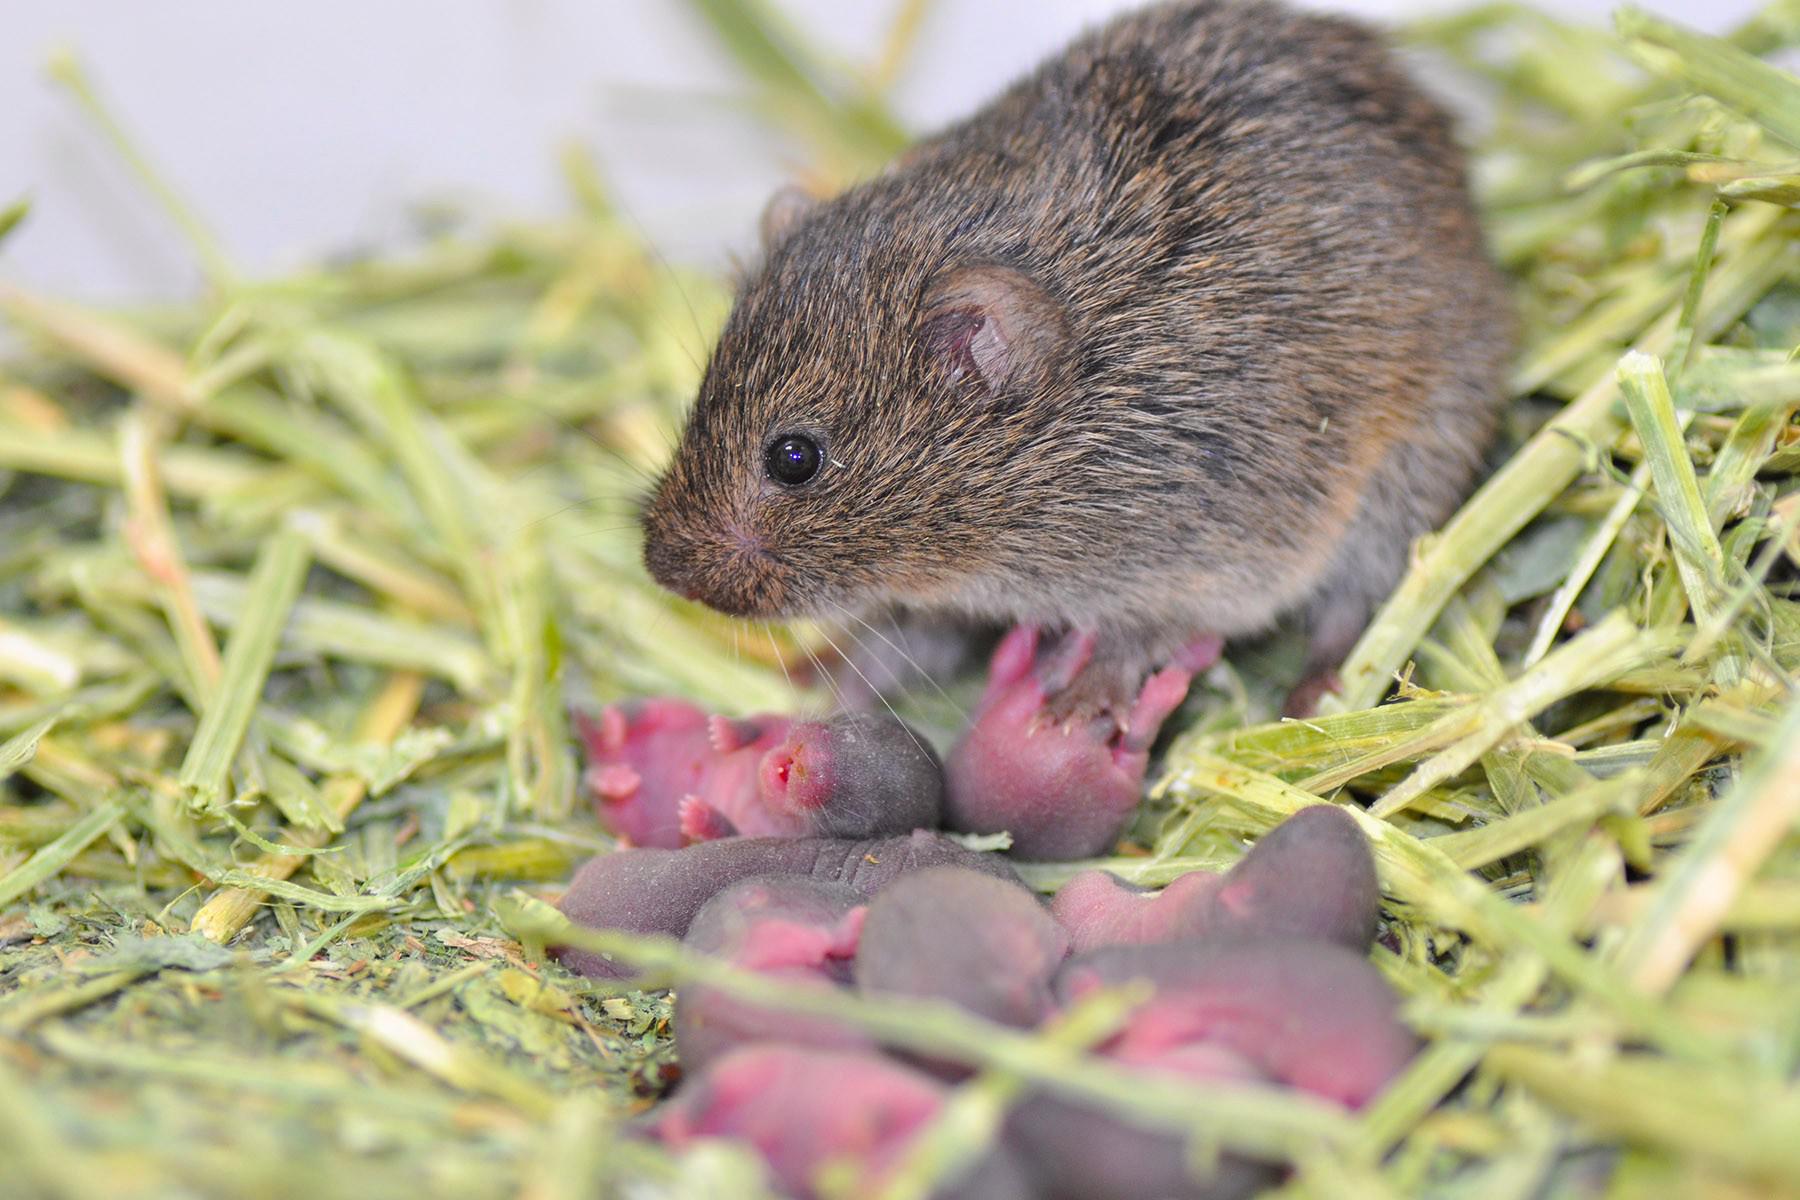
[
  {"x": 1167, "y": 603},
  {"x": 1231, "y": 608}
]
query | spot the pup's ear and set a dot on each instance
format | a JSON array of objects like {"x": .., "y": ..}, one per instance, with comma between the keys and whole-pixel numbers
[
  {"x": 993, "y": 323},
  {"x": 785, "y": 209}
]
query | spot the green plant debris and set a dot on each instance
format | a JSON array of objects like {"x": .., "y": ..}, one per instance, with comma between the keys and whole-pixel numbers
[
  {"x": 299, "y": 582},
  {"x": 13, "y": 215}
]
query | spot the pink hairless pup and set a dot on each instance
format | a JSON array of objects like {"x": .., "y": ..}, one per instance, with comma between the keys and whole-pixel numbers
[
  {"x": 1312, "y": 876},
  {"x": 1061, "y": 790},
  {"x": 665, "y": 774},
  {"x": 804, "y": 1110},
  {"x": 789, "y": 927}
]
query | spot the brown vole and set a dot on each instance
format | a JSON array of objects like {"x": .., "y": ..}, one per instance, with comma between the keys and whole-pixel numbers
[{"x": 1189, "y": 329}]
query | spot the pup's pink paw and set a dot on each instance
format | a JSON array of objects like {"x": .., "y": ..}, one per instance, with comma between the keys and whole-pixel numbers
[
  {"x": 646, "y": 758},
  {"x": 701, "y": 822}
]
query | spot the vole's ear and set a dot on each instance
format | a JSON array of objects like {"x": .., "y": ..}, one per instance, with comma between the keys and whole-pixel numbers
[
  {"x": 993, "y": 323},
  {"x": 784, "y": 210}
]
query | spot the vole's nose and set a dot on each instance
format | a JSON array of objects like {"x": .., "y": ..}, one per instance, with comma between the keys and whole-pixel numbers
[
  {"x": 672, "y": 565},
  {"x": 722, "y": 562},
  {"x": 722, "y": 578}
]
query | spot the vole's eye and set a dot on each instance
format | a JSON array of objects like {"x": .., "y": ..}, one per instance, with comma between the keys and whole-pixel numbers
[{"x": 793, "y": 459}]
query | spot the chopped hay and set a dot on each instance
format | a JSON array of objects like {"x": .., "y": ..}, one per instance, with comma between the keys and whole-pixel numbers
[{"x": 297, "y": 582}]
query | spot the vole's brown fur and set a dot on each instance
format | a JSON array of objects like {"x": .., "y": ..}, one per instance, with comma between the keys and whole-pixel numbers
[{"x": 1188, "y": 329}]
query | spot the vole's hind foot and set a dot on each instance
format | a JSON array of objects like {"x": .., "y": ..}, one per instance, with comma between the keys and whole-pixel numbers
[
  {"x": 1303, "y": 701},
  {"x": 1335, "y": 627},
  {"x": 1082, "y": 687},
  {"x": 1085, "y": 678}
]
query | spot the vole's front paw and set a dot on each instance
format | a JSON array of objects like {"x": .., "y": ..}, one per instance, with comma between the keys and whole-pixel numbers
[{"x": 1081, "y": 688}]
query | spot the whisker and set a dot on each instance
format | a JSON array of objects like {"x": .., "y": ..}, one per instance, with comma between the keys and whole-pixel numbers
[
  {"x": 638, "y": 470},
  {"x": 851, "y": 663},
  {"x": 780, "y": 658},
  {"x": 555, "y": 513},
  {"x": 598, "y": 530},
  {"x": 852, "y": 634},
  {"x": 897, "y": 648},
  {"x": 831, "y": 684},
  {"x": 662, "y": 260}
]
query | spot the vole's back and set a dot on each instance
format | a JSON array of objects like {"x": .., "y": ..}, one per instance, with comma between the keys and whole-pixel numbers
[{"x": 1261, "y": 230}]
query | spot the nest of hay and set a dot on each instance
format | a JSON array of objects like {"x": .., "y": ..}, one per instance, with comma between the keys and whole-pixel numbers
[{"x": 297, "y": 583}]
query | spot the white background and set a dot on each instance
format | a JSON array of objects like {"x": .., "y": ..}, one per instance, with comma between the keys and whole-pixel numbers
[{"x": 310, "y": 126}]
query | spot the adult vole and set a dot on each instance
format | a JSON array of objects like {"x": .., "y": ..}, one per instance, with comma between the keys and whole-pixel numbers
[{"x": 1189, "y": 329}]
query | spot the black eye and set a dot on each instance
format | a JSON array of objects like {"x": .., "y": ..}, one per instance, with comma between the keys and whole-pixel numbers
[{"x": 793, "y": 459}]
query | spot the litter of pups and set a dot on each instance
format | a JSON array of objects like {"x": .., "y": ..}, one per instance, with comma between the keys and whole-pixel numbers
[{"x": 1255, "y": 975}]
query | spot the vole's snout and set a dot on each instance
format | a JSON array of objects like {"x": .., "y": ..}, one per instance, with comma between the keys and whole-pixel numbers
[{"x": 729, "y": 569}]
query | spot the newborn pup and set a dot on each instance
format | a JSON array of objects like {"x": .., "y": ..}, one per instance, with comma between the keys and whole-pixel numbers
[
  {"x": 804, "y": 1109},
  {"x": 948, "y": 933},
  {"x": 1100, "y": 909},
  {"x": 1188, "y": 330},
  {"x": 1307, "y": 1014},
  {"x": 664, "y": 774},
  {"x": 1062, "y": 789},
  {"x": 1312, "y": 876},
  {"x": 644, "y": 759},
  {"x": 789, "y": 927},
  {"x": 1075, "y": 1152},
  {"x": 660, "y": 891}
]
